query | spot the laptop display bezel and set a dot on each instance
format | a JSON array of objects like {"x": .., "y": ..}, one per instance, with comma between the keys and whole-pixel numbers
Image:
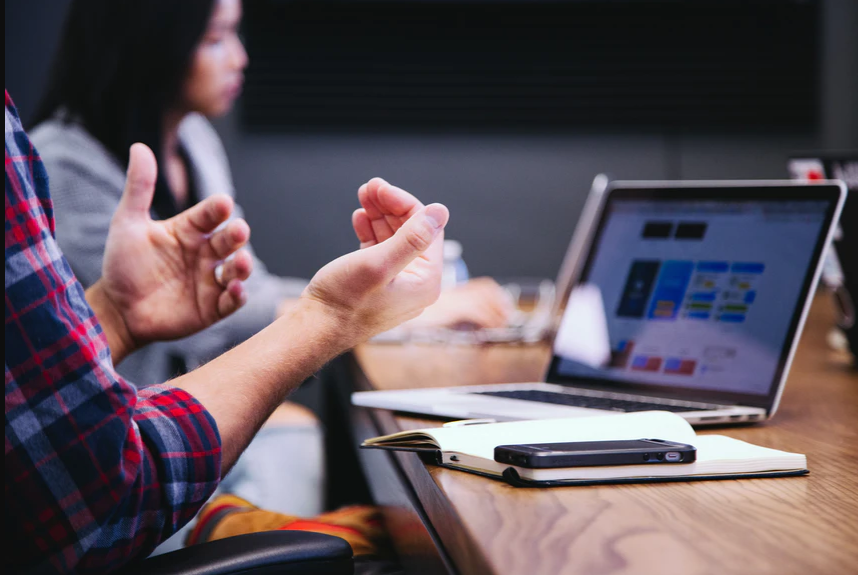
[{"x": 710, "y": 191}]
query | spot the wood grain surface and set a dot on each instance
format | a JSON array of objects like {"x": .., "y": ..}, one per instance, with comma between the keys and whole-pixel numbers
[{"x": 789, "y": 525}]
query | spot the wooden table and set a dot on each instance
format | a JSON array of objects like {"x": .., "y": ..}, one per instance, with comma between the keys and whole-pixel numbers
[{"x": 446, "y": 520}]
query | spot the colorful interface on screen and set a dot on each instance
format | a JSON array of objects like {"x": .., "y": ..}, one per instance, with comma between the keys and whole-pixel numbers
[{"x": 699, "y": 294}]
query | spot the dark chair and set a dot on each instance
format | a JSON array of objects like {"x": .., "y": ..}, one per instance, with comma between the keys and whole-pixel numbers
[{"x": 266, "y": 553}]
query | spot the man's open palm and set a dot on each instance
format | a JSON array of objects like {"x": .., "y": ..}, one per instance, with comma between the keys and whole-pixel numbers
[{"x": 161, "y": 275}]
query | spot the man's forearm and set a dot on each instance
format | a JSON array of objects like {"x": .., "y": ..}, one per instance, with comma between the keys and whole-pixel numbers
[
  {"x": 119, "y": 339},
  {"x": 243, "y": 386}
]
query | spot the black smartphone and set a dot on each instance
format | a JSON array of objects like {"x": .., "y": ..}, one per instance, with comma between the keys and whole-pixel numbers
[{"x": 590, "y": 453}]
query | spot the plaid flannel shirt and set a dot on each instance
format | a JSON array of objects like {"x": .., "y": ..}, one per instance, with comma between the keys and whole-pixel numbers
[{"x": 97, "y": 472}]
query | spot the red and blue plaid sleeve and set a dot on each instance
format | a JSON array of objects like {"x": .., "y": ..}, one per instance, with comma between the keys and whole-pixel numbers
[{"x": 97, "y": 472}]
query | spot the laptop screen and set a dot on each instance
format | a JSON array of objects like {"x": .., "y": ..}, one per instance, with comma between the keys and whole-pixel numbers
[{"x": 698, "y": 294}]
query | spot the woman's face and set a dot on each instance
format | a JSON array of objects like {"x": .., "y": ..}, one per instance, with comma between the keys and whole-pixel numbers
[{"x": 217, "y": 69}]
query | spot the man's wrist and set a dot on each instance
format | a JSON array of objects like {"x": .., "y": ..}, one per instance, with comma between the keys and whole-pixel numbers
[
  {"x": 119, "y": 337},
  {"x": 334, "y": 328}
]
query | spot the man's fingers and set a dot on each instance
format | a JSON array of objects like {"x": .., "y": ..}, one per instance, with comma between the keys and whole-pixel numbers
[
  {"x": 230, "y": 239},
  {"x": 397, "y": 202},
  {"x": 363, "y": 228},
  {"x": 380, "y": 198},
  {"x": 386, "y": 206},
  {"x": 381, "y": 228},
  {"x": 207, "y": 215},
  {"x": 413, "y": 239},
  {"x": 367, "y": 201},
  {"x": 231, "y": 274},
  {"x": 232, "y": 298},
  {"x": 396, "y": 205},
  {"x": 139, "y": 182},
  {"x": 237, "y": 267},
  {"x": 368, "y": 197}
]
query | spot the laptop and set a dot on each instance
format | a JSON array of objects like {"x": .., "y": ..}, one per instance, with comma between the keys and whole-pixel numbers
[{"x": 689, "y": 297}]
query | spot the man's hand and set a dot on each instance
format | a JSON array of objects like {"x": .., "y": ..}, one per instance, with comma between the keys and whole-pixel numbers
[
  {"x": 159, "y": 277},
  {"x": 397, "y": 271},
  {"x": 392, "y": 278}
]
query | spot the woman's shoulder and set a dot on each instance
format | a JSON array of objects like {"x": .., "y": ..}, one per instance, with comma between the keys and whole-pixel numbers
[
  {"x": 207, "y": 155},
  {"x": 67, "y": 145},
  {"x": 197, "y": 132}
]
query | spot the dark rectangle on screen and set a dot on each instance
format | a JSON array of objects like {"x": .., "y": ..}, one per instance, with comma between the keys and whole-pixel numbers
[
  {"x": 690, "y": 230},
  {"x": 638, "y": 288},
  {"x": 657, "y": 230}
]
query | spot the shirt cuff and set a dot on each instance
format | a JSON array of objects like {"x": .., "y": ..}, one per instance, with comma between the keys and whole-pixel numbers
[{"x": 184, "y": 440}]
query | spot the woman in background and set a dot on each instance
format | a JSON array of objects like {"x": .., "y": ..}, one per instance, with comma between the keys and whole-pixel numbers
[{"x": 153, "y": 71}]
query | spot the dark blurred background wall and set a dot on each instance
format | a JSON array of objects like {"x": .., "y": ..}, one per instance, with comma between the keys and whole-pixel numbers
[{"x": 514, "y": 194}]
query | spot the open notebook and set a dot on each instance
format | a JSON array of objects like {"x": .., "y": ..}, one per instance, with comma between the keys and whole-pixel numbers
[{"x": 471, "y": 448}]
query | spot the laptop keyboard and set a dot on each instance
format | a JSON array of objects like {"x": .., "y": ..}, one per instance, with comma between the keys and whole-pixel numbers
[{"x": 605, "y": 403}]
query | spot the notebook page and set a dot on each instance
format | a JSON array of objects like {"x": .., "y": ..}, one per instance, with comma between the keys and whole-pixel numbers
[{"x": 720, "y": 454}]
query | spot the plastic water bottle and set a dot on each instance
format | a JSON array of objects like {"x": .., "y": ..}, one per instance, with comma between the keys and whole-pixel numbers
[{"x": 455, "y": 271}]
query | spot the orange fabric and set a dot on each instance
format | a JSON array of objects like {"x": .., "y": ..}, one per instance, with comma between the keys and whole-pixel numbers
[{"x": 228, "y": 515}]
